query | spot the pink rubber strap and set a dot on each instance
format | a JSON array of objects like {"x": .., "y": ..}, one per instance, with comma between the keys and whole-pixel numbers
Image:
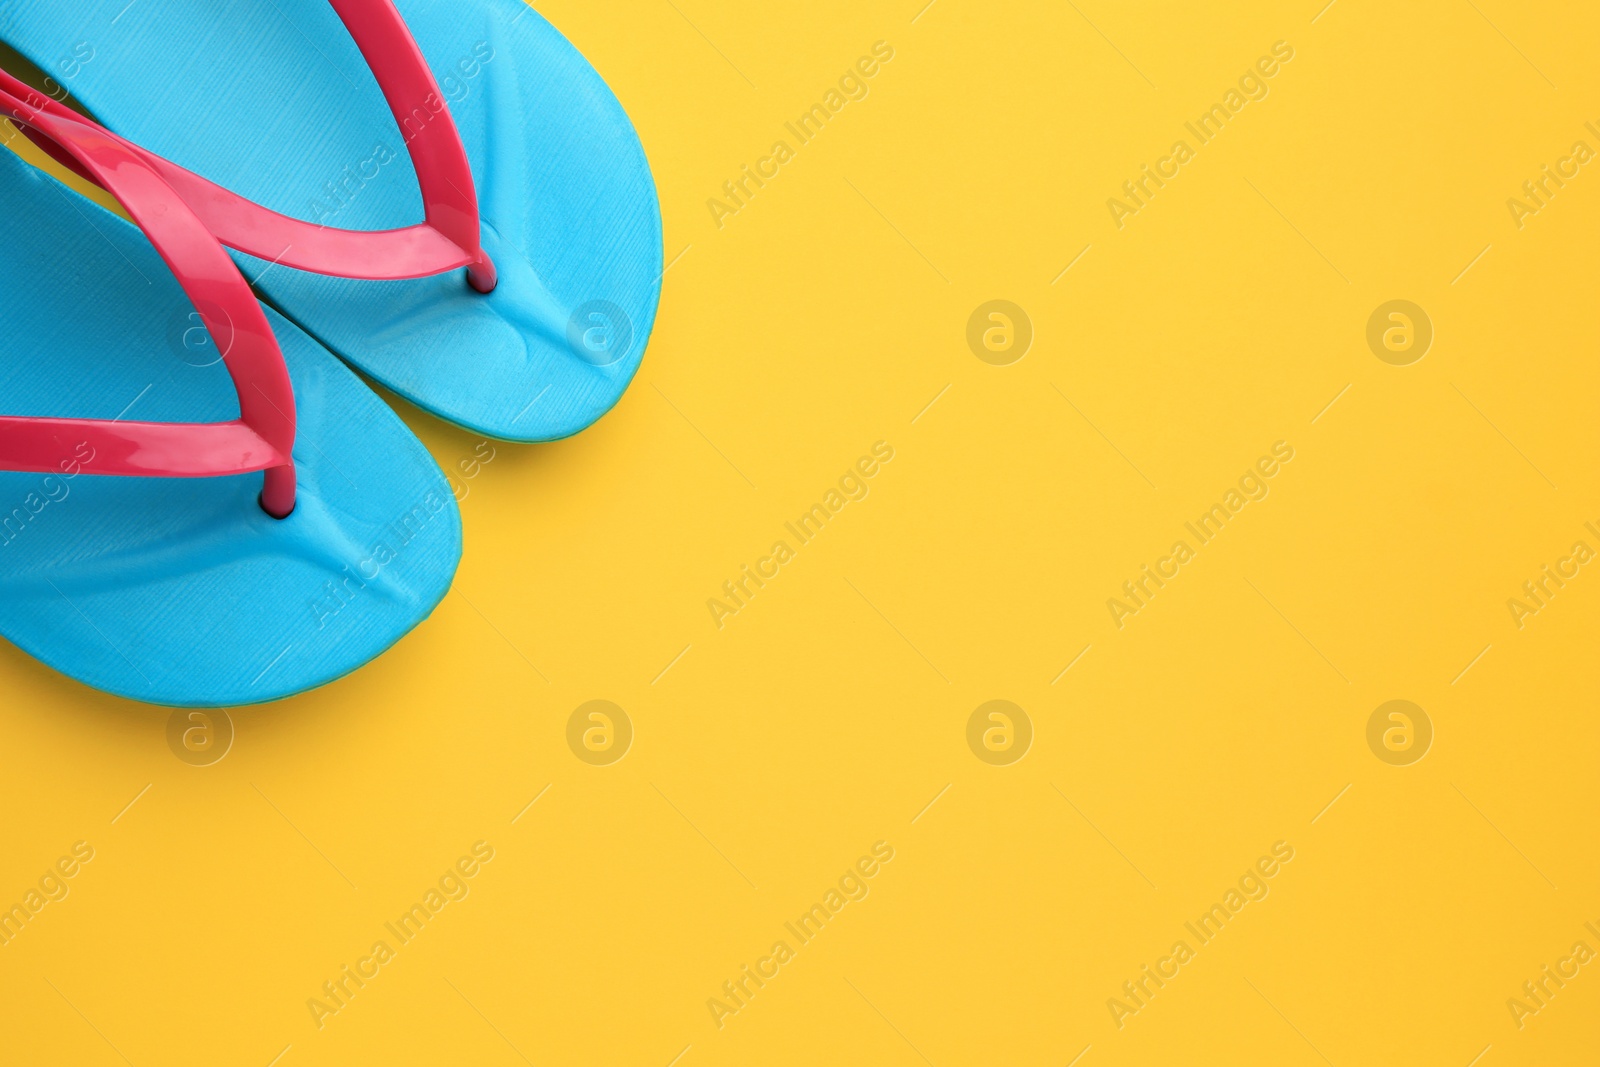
[
  {"x": 262, "y": 438},
  {"x": 449, "y": 238}
]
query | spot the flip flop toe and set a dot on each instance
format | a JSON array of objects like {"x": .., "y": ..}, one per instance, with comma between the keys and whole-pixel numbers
[
  {"x": 156, "y": 420},
  {"x": 475, "y": 116}
]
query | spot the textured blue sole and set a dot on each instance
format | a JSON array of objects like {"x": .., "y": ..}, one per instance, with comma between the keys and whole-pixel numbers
[
  {"x": 183, "y": 591},
  {"x": 271, "y": 99}
]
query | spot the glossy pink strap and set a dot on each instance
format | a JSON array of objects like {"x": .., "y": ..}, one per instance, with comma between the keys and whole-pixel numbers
[
  {"x": 262, "y": 438},
  {"x": 437, "y": 155},
  {"x": 449, "y": 238}
]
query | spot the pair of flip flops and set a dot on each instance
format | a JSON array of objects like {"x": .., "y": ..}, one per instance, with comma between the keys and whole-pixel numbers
[{"x": 200, "y": 504}]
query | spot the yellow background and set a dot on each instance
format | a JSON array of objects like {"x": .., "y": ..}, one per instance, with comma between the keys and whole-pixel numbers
[{"x": 770, "y": 754}]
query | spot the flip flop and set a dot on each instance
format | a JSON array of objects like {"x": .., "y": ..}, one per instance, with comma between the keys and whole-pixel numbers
[
  {"x": 326, "y": 111},
  {"x": 139, "y": 549}
]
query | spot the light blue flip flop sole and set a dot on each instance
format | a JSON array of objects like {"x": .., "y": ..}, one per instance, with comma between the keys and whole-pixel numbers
[
  {"x": 271, "y": 99},
  {"x": 182, "y": 591}
]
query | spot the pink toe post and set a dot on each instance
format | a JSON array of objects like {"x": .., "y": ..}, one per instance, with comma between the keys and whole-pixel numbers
[
  {"x": 450, "y": 237},
  {"x": 262, "y": 438}
]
